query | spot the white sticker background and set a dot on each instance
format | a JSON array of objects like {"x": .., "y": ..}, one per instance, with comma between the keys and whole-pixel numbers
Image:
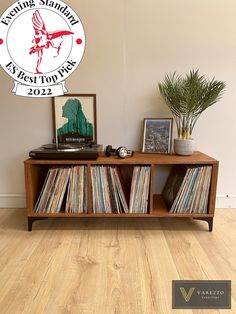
[{"x": 47, "y": 66}]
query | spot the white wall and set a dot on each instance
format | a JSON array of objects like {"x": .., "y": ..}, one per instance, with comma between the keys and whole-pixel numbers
[{"x": 131, "y": 45}]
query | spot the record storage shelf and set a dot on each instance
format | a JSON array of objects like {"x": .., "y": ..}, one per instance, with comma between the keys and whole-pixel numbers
[{"x": 36, "y": 170}]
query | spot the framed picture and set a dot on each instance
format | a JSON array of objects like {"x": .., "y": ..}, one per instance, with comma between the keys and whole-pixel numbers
[
  {"x": 75, "y": 118},
  {"x": 157, "y": 135}
]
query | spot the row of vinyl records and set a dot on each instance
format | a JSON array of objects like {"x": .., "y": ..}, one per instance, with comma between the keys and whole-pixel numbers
[
  {"x": 64, "y": 184},
  {"x": 65, "y": 189},
  {"x": 187, "y": 189},
  {"x": 111, "y": 193}
]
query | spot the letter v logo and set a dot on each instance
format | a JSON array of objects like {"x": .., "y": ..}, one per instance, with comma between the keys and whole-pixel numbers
[{"x": 187, "y": 296}]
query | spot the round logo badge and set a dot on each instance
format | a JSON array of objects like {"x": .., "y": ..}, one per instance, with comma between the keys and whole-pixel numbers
[{"x": 41, "y": 43}]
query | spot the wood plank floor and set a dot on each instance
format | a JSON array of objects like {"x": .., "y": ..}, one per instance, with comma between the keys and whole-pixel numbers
[{"x": 106, "y": 266}]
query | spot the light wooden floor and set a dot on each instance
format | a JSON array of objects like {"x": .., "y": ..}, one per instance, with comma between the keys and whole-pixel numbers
[{"x": 106, "y": 266}]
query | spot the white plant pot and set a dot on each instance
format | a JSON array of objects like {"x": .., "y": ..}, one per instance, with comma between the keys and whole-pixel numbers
[{"x": 183, "y": 147}]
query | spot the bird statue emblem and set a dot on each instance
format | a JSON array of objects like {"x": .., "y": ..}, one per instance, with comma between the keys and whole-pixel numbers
[{"x": 44, "y": 39}]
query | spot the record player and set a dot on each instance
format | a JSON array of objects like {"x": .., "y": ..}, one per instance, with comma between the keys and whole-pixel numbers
[{"x": 67, "y": 151}]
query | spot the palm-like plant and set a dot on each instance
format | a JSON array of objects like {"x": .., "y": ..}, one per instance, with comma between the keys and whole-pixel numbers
[{"x": 188, "y": 97}]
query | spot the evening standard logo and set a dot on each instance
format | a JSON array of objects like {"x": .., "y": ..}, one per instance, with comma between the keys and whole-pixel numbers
[{"x": 41, "y": 44}]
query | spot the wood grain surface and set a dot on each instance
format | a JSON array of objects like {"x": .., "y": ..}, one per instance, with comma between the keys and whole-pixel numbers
[{"x": 106, "y": 266}]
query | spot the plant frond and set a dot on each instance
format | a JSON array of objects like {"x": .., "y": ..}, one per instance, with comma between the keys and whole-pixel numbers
[{"x": 188, "y": 97}]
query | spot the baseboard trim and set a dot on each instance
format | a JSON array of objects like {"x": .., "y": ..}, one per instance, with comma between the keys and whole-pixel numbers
[
  {"x": 12, "y": 201},
  {"x": 18, "y": 201},
  {"x": 226, "y": 201}
]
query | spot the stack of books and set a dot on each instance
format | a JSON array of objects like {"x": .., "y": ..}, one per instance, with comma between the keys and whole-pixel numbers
[
  {"x": 63, "y": 184},
  {"x": 187, "y": 189}
]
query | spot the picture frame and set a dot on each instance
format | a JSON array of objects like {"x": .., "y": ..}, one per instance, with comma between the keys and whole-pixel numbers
[
  {"x": 157, "y": 135},
  {"x": 75, "y": 119}
]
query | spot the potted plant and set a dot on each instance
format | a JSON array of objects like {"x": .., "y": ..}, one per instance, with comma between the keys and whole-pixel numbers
[{"x": 187, "y": 97}]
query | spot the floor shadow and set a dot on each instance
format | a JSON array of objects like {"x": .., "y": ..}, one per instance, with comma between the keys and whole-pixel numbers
[
  {"x": 16, "y": 219},
  {"x": 13, "y": 219},
  {"x": 164, "y": 224}
]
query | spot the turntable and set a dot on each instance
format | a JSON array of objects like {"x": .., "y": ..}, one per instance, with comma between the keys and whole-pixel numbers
[{"x": 66, "y": 151}]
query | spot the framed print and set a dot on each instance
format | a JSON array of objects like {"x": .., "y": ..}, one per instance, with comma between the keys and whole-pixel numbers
[
  {"x": 157, "y": 135},
  {"x": 75, "y": 118}
]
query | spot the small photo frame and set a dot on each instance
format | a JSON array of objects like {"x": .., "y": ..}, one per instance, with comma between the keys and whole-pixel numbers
[
  {"x": 157, "y": 135},
  {"x": 75, "y": 119}
]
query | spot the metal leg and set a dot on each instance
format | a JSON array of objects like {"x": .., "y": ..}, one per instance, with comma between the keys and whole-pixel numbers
[
  {"x": 32, "y": 219},
  {"x": 209, "y": 220},
  {"x": 30, "y": 222}
]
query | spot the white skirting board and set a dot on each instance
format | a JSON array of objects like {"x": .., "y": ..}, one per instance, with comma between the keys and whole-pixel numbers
[
  {"x": 12, "y": 201},
  {"x": 226, "y": 201},
  {"x": 18, "y": 201}
]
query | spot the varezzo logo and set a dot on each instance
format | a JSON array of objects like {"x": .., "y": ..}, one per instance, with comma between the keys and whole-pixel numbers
[
  {"x": 187, "y": 296},
  {"x": 41, "y": 43},
  {"x": 201, "y": 294}
]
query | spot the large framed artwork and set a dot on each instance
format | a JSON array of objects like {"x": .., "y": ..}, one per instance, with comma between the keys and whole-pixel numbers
[
  {"x": 75, "y": 118},
  {"x": 157, "y": 135}
]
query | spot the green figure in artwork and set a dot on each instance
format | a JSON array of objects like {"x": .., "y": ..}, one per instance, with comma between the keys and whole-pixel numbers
[{"x": 77, "y": 125}]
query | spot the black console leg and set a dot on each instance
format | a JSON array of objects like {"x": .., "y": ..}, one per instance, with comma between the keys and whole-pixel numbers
[
  {"x": 30, "y": 223},
  {"x": 209, "y": 220},
  {"x": 32, "y": 219},
  {"x": 210, "y": 224}
]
